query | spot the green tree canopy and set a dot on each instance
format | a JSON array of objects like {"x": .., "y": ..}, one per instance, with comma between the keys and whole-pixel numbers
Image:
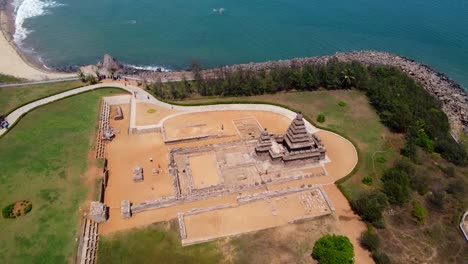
[{"x": 333, "y": 249}]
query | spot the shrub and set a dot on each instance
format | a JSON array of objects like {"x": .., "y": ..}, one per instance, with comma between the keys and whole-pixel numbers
[
  {"x": 8, "y": 210},
  {"x": 321, "y": 118},
  {"x": 28, "y": 208},
  {"x": 419, "y": 183},
  {"x": 438, "y": 199},
  {"x": 380, "y": 257},
  {"x": 419, "y": 213},
  {"x": 342, "y": 104},
  {"x": 368, "y": 180},
  {"x": 381, "y": 159},
  {"x": 457, "y": 186},
  {"x": 449, "y": 170},
  {"x": 370, "y": 205},
  {"x": 333, "y": 249},
  {"x": 397, "y": 183},
  {"x": 370, "y": 240}
]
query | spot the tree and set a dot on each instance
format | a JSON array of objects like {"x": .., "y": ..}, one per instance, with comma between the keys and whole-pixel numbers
[
  {"x": 81, "y": 75},
  {"x": 195, "y": 67},
  {"x": 90, "y": 78},
  {"x": 397, "y": 184},
  {"x": 370, "y": 240},
  {"x": 333, "y": 249},
  {"x": 347, "y": 78},
  {"x": 370, "y": 205}
]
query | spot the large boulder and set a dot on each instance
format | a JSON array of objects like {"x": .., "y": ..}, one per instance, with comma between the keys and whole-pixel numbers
[{"x": 109, "y": 64}]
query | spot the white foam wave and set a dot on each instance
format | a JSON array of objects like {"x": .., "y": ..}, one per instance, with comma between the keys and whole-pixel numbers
[
  {"x": 28, "y": 9},
  {"x": 148, "y": 68}
]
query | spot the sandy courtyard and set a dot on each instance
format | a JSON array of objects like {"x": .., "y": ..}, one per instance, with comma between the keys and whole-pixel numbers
[
  {"x": 254, "y": 216},
  {"x": 204, "y": 171},
  {"x": 223, "y": 124}
]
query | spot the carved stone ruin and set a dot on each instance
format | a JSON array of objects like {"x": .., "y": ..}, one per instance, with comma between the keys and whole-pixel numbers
[
  {"x": 125, "y": 209},
  {"x": 119, "y": 115},
  {"x": 137, "y": 174},
  {"x": 296, "y": 145},
  {"x": 98, "y": 212},
  {"x": 108, "y": 133}
]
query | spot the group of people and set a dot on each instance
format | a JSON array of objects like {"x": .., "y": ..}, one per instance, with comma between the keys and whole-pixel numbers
[{"x": 3, "y": 123}]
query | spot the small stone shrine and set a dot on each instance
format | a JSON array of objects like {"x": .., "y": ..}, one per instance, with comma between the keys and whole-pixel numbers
[{"x": 98, "y": 212}]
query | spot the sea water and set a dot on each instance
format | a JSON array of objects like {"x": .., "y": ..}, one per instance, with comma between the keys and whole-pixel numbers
[{"x": 171, "y": 33}]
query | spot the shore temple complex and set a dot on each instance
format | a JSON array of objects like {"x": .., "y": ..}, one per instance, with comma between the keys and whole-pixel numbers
[{"x": 218, "y": 172}]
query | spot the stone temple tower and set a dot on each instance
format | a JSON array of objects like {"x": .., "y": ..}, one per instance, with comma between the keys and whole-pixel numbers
[{"x": 296, "y": 145}]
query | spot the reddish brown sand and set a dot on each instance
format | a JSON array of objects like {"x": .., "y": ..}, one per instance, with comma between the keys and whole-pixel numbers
[
  {"x": 144, "y": 118},
  {"x": 349, "y": 224},
  {"x": 211, "y": 123},
  {"x": 204, "y": 170},
  {"x": 127, "y": 151},
  {"x": 258, "y": 215}
]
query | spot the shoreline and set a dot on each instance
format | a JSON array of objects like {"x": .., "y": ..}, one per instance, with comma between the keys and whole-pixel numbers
[
  {"x": 16, "y": 62},
  {"x": 453, "y": 97}
]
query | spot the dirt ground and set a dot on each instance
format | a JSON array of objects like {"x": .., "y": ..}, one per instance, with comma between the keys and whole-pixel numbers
[
  {"x": 348, "y": 223},
  {"x": 204, "y": 170},
  {"x": 145, "y": 118},
  {"x": 221, "y": 123},
  {"x": 254, "y": 216},
  {"x": 127, "y": 151}
]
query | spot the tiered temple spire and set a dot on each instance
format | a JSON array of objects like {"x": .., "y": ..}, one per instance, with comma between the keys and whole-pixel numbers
[{"x": 297, "y": 144}]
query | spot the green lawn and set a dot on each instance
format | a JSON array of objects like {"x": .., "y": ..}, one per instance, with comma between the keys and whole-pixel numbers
[
  {"x": 157, "y": 243},
  {"x": 42, "y": 159},
  {"x": 357, "y": 120},
  {"x": 14, "y": 97}
]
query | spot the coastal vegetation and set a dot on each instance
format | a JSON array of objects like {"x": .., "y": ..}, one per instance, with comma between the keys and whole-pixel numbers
[
  {"x": 417, "y": 157},
  {"x": 14, "y": 97},
  {"x": 45, "y": 157}
]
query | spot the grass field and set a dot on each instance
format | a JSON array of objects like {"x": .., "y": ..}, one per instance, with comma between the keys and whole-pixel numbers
[
  {"x": 8, "y": 79},
  {"x": 42, "y": 160},
  {"x": 158, "y": 243},
  {"x": 357, "y": 120},
  {"x": 14, "y": 97}
]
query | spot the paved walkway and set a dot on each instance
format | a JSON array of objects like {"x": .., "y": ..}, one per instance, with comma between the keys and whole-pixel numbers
[{"x": 140, "y": 95}]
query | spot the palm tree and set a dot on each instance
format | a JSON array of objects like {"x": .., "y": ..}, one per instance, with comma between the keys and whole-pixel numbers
[
  {"x": 347, "y": 78},
  {"x": 81, "y": 75}
]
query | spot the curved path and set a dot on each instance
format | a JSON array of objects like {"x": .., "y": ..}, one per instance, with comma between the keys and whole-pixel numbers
[{"x": 141, "y": 95}]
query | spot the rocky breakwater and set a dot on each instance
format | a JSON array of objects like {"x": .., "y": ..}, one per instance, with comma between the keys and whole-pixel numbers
[{"x": 453, "y": 97}]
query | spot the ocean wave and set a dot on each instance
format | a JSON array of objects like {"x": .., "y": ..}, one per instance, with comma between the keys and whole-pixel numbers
[
  {"x": 27, "y": 9},
  {"x": 149, "y": 68}
]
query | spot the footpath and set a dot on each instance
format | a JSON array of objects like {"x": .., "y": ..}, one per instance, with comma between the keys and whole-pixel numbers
[{"x": 140, "y": 95}]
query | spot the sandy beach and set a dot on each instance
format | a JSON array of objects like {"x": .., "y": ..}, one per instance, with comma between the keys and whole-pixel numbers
[{"x": 12, "y": 63}]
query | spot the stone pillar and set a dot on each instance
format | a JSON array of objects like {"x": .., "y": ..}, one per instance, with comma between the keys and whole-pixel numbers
[
  {"x": 125, "y": 209},
  {"x": 98, "y": 212}
]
